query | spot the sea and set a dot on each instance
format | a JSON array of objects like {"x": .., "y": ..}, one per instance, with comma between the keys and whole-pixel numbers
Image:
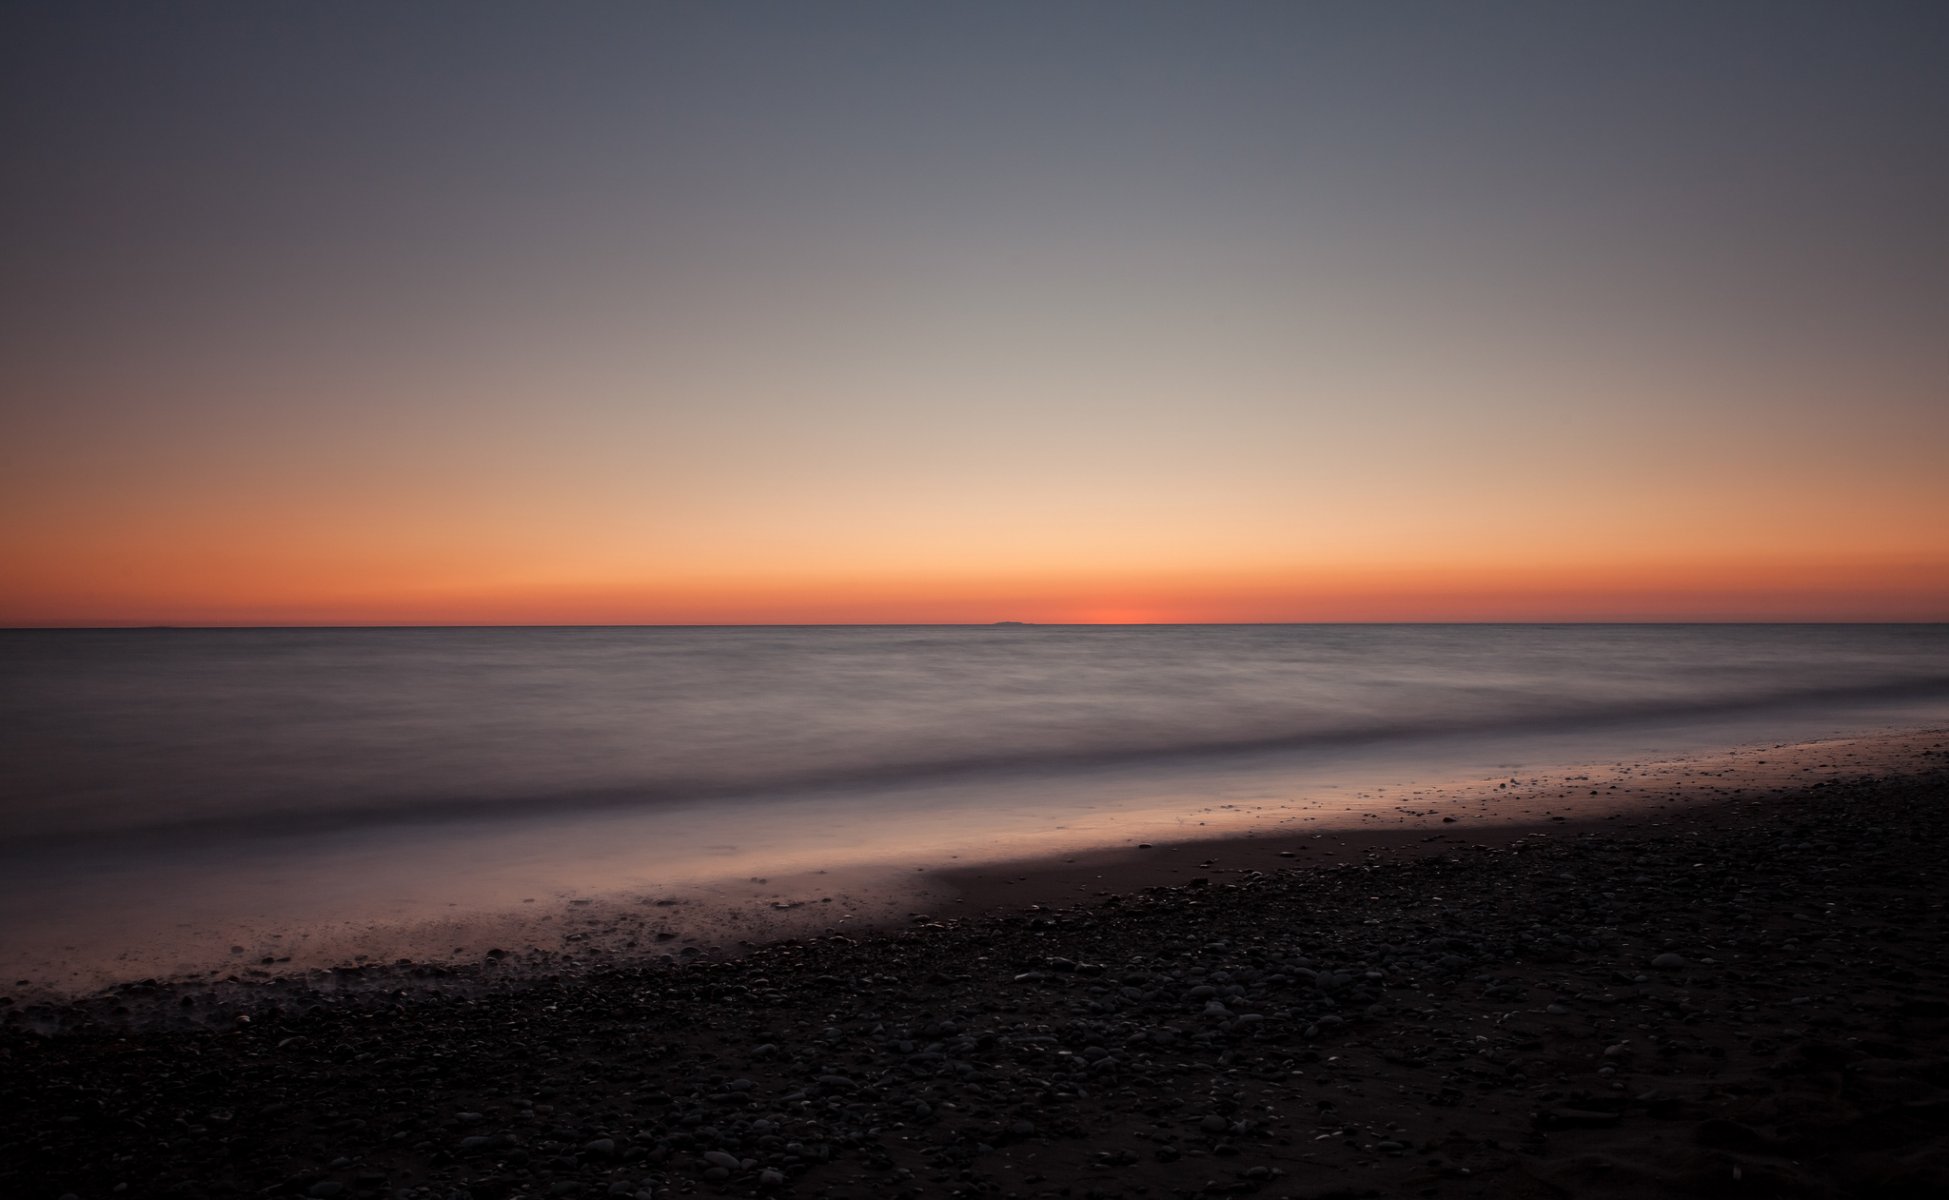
[{"x": 186, "y": 800}]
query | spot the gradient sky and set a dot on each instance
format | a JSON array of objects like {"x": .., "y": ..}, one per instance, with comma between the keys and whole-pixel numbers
[{"x": 480, "y": 313}]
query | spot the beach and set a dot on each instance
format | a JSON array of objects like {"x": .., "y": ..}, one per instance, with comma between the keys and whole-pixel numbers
[{"x": 1726, "y": 981}]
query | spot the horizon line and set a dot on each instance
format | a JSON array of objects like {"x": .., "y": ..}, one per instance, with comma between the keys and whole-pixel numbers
[{"x": 130, "y": 626}]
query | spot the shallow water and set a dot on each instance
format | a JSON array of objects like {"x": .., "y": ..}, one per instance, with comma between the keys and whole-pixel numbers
[{"x": 172, "y": 793}]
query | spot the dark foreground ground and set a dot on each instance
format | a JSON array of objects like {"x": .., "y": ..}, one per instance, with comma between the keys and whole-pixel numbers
[{"x": 1747, "y": 999}]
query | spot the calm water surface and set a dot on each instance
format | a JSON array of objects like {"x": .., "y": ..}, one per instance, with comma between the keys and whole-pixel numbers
[{"x": 193, "y": 780}]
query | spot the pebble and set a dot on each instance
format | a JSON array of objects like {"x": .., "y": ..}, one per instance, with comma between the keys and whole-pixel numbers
[{"x": 876, "y": 1066}]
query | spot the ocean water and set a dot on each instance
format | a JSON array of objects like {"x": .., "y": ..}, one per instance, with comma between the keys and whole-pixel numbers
[{"x": 164, "y": 789}]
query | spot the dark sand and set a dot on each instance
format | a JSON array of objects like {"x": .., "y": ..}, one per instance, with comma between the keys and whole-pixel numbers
[{"x": 1732, "y": 982}]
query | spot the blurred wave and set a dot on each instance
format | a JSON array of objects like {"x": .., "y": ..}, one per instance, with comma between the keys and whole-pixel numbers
[{"x": 107, "y": 733}]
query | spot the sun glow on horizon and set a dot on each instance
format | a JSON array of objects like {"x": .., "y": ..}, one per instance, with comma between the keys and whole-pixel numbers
[{"x": 1820, "y": 592}]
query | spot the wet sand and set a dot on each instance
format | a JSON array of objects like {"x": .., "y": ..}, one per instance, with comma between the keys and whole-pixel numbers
[
  {"x": 1432, "y": 818},
  {"x": 1731, "y": 982}
]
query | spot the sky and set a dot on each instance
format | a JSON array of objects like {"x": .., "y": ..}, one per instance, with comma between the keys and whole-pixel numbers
[{"x": 830, "y": 312}]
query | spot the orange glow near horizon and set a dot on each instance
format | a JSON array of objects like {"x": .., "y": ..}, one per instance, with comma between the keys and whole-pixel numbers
[
  {"x": 525, "y": 516},
  {"x": 1696, "y": 592}
]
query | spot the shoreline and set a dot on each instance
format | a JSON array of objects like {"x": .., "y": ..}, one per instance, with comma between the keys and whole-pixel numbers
[
  {"x": 1430, "y": 816},
  {"x": 728, "y": 916},
  {"x": 1735, "y": 997}
]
